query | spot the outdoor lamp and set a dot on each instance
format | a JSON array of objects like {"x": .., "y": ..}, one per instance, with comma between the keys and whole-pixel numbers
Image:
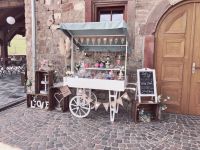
[{"x": 10, "y": 20}]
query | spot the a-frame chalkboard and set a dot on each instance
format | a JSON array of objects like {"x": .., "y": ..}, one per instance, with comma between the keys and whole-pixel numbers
[{"x": 146, "y": 83}]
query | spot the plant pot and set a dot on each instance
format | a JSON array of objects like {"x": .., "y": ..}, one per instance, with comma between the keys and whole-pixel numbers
[{"x": 159, "y": 114}]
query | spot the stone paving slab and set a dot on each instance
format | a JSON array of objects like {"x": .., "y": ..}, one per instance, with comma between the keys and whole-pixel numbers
[
  {"x": 36, "y": 129},
  {"x": 11, "y": 91}
]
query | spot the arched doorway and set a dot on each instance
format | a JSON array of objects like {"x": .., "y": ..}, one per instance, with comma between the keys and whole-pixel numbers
[
  {"x": 177, "y": 57},
  {"x": 16, "y": 10}
]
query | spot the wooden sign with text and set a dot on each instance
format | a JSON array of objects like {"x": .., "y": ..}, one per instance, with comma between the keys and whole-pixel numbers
[{"x": 146, "y": 83}]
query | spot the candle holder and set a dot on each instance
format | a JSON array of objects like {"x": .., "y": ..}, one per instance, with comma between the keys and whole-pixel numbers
[
  {"x": 110, "y": 40},
  {"x": 104, "y": 41}
]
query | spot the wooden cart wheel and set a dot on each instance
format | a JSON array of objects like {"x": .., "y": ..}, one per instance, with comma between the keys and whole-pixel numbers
[{"x": 79, "y": 107}]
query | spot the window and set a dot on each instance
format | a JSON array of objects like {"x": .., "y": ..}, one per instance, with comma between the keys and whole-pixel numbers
[
  {"x": 110, "y": 14},
  {"x": 105, "y": 10}
]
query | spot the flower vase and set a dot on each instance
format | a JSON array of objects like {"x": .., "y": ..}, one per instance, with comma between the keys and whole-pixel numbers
[
  {"x": 29, "y": 89},
  {"x": 159, "y": 113}
]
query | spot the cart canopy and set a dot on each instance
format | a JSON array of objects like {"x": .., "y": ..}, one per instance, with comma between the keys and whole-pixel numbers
[
  {"x": 95, "y": 28},
  {"x": 98, "y": 36}
]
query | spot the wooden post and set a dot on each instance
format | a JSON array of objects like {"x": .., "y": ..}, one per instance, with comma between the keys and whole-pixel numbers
[{"x": 4, "y": 52}]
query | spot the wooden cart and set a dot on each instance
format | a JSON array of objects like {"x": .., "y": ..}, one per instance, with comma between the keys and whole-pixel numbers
[{"x": 96, "y": 37}]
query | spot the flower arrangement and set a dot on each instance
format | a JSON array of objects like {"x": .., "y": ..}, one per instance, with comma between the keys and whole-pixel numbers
[
  {"x": 144, "y": 116},
  {"x": 29, "y": 84},
  {"x": 162, "y": 102}
]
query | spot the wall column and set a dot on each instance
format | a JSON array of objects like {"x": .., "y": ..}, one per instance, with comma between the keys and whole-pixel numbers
[{"x": 4, "y": 51}]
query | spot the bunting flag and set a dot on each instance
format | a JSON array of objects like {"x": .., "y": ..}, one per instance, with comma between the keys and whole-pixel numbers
[
  {"x": 96, "y": 105},
  {"x": 89, "y": 100},
  {"x": 86, "y": 98},
  {"x": 125, "y": 96},
  {"x": 113, "y": 104},
  {"x": 119, "y": 101},
  {"x": 106, "y": 105}
]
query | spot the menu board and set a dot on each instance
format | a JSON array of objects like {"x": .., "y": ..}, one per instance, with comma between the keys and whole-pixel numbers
[{"x": 146, "y": 84}]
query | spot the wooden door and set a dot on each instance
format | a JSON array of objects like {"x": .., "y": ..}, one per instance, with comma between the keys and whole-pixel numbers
[
  {"x": 194, "y": 105},
  {"x": 177, "y": 47}
]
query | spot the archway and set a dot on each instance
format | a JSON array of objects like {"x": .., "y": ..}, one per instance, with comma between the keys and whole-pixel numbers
[
  {"x": 12, "y": 91},
  {"x": 177, "y": 57},
  {"x": 7, "y": 31}
]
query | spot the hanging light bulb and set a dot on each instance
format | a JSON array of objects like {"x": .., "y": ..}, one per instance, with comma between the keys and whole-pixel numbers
[{"x": 10, "y": 20}]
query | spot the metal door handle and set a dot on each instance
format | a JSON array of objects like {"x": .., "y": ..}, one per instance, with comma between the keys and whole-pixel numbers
[{"x": 194, "y": 68}]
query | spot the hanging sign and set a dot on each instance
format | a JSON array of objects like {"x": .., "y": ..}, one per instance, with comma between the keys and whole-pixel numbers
[
  {"x": 146, "y": 83},
  {"x": 65, "y": 91}
]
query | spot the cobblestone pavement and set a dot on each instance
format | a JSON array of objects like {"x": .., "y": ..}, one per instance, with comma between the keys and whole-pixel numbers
[
  {"x": 10, "y": 89},
  {"x": 36, "y": 129}
]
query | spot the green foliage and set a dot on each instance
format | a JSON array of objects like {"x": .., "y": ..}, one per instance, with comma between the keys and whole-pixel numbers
[
  {"x": 162, "y": 101},
  {"x": 29, "y": 83},
  {"x": 17, "y": 46}
]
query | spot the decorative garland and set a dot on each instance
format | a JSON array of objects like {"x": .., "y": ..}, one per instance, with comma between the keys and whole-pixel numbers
[{"x": 106, "y": 105}]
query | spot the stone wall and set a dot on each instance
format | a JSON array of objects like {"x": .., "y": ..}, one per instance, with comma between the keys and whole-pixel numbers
[
  {"x": 28, "y": 35},
  {"x": 54, "y": 45}
]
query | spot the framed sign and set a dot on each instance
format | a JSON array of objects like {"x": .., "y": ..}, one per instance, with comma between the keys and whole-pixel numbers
[{"x": 146, "y": 83}]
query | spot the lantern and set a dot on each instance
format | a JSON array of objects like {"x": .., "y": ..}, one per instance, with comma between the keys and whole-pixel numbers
[{"x": 10, "y": 20}]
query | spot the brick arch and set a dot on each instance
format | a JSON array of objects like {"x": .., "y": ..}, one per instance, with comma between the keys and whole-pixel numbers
[
  {"x": 153, "y": 19},
  {"x": 148, "y": 30}
]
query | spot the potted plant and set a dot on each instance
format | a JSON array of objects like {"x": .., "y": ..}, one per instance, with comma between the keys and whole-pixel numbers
[
  {"x": 162, "y": 105},
  {"x": 29, "y": 85}
]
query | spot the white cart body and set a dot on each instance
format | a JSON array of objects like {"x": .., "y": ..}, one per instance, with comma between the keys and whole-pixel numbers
[{"x": 98, "y": 84}]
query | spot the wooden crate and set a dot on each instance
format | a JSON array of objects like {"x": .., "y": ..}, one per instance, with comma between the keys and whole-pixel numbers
[
  {"x": 39, "y": 75},
  {"x": 52, "y": 100},
  {"x": 148, "y": 107},
  {"x": 43, "y": 98}
]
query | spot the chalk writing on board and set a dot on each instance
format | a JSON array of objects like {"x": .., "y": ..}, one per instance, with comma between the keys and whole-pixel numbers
[{"x": 146, "y": 82}]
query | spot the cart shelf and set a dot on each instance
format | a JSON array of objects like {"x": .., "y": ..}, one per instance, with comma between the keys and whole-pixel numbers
[{"x": 104, "y": 69}]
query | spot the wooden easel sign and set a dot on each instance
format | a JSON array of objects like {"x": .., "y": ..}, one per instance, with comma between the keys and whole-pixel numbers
[{"x": 146, "y": 83}]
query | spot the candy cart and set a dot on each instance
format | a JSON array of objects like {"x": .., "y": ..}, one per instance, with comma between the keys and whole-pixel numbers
[{"x": 97, "y": 37}]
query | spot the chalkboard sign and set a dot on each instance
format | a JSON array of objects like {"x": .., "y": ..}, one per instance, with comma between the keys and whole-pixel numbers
[{"x": 146, "y": 83}]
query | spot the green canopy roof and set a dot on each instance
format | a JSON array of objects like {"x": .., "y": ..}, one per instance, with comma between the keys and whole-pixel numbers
[
  {"x": 95, "y": 28},
  {"x": 98, "y": 36}
]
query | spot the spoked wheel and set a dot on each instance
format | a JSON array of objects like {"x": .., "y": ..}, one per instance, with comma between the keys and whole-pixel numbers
[
  {"x": 79, "y": 107},
  {"x": 94, "y": 99}
]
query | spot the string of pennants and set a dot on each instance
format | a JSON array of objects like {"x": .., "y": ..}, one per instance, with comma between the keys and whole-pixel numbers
[{"x": 106, "y": 105}]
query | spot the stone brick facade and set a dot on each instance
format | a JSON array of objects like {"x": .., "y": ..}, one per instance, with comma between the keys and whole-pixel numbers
[{"x": 54, "y": 45}]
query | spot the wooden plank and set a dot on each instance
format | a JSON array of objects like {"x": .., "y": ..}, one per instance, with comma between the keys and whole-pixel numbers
[{"x": 11, "y": 3}]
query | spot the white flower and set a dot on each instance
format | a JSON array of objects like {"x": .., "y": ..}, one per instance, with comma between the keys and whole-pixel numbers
[{"x": 159, "y": 98}]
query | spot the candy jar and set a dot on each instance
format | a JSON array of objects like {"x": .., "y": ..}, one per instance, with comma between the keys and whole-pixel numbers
[
  {"x": 97, "y": 64},
  {"x": 86, "y": 65},
  {"x": 120, "y": 77},
  {"x": 118, "y": 61},
  {"x": 107, "y": 64},
  {"x": 101, "y": 65},
  {"x": 82, "y": 64},
  {"x": 108, "y": 58},
  {"x": 111, "y": 74}
]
